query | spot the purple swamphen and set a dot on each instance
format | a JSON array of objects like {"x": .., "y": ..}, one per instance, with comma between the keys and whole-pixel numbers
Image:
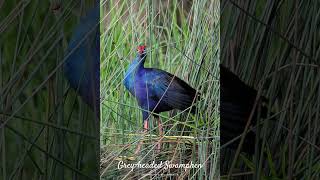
[
  {"x": 82, "y": 66},
  {"x": 157, "y": 91},
  {"x": 236, "y": 103}
]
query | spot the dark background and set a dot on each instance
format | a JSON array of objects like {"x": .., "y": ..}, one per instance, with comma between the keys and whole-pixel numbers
[
  {"x": 46, "y": 131},
  {"x": 273, "y": 46}
]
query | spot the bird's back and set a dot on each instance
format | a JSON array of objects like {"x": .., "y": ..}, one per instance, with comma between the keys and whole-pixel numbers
[
  {"x": 168, "y": 89},
  {"x": 236, "y": 102},
  {"x": 81, "y": 67}
]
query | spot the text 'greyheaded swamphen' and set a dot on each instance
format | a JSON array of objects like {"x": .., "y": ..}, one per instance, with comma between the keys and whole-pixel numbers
[{"x": 157, "y": 91}]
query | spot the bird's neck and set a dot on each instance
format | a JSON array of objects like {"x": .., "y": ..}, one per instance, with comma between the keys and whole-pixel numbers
[{"x": 137, "y": 64}]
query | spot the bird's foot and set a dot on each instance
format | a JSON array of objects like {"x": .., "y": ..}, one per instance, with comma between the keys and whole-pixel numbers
[
  {"x": 137, "y": 151},
  {"x": 158, "y": 146}
]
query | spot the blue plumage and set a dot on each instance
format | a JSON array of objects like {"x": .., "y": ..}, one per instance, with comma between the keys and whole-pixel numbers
[
  {"x": 82, "y": 66},
  {"x": 156, "y": 90}
]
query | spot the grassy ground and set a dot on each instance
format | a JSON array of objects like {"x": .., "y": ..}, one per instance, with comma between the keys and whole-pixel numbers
[{"x": 182, "y": 37}]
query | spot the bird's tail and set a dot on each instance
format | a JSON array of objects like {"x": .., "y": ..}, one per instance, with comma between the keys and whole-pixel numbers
[{"x": 233, "y": 123}]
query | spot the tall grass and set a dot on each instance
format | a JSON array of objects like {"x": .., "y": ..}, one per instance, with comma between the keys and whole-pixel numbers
[
  {"x": 274, "y": 47},
  {"x": 45, "y": 131},
  {"x": 182, "y": 37}
]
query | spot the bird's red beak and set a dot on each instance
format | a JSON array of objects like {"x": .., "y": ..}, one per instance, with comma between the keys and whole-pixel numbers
[{"x": 141, "y": 49}]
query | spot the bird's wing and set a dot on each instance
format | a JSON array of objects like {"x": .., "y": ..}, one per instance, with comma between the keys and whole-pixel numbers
[
  {"x": 236, "y": 103},
  {"x": 82, "y": 64},
  {"x": 170, "y": 89}
]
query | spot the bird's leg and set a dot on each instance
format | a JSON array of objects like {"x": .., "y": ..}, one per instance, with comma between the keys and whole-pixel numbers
[
  {"x": 160, "y": 133},
  {"x": 145, "y": 130},
  {"x": 145, "y": 126}
]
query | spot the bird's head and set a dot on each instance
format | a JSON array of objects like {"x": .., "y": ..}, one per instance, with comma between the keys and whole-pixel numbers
[{"x": 142, "y": 51}]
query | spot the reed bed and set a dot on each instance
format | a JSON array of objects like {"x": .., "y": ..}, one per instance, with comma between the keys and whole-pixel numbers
[
  {"x": 274, "y": 47},
  {"x": 46, "y": 131},
  {"x": 182, "y": 37}
]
